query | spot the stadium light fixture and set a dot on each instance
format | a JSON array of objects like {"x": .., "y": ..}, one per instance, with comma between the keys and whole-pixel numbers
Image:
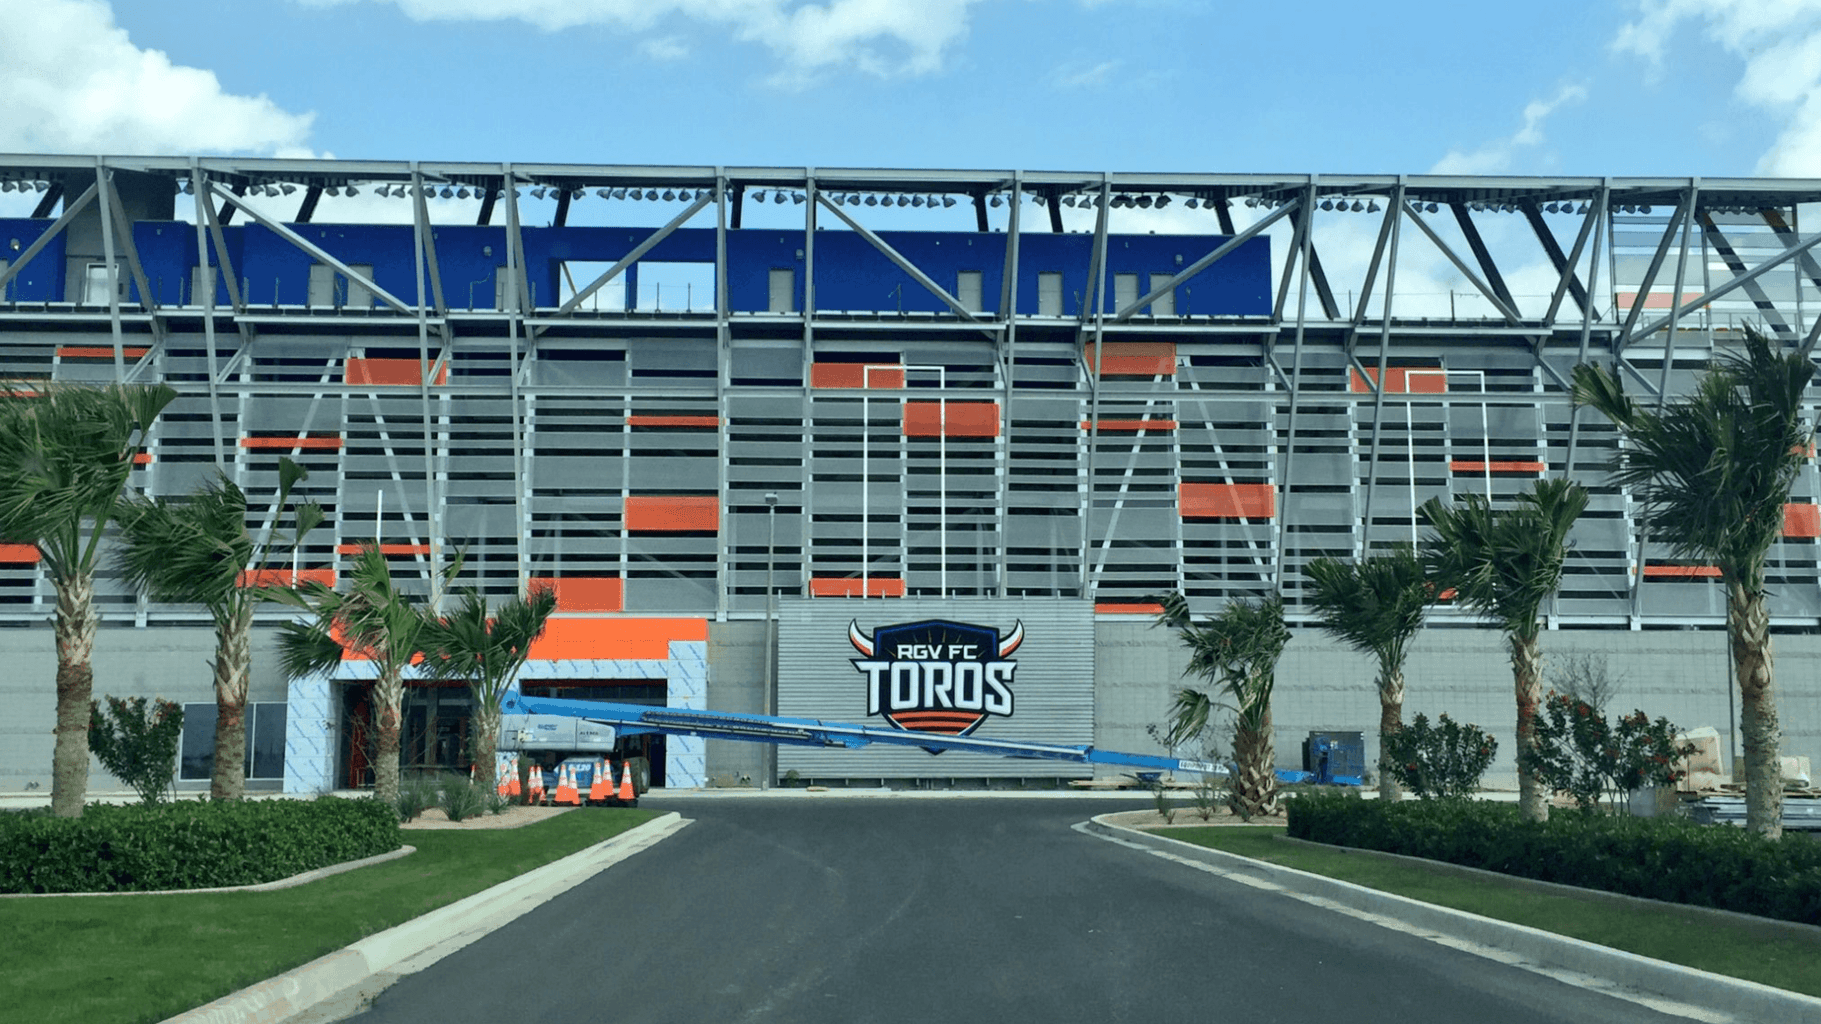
[
  {"x": 916, "y": 201},
  {"x": 1163, "y": 201},
  {"x": 619, "y": 193},
  {"x": 948, "y": 201},
  {"x": 463, "y": 193},
  {"x": 997, "y": 202},
  {"x": 904, "y": 200},
  {"x": 333, "y": 190},
  {"x": 1372, "y": 206},
  {"x": 1192, "y": 203},
  {"x": 538, "y": 193}
]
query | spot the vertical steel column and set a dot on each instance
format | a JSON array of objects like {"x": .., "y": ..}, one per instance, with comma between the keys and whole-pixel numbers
[
  {"x": 206, "y": 271},
  {"x": 1395, "y": 213},
  {"x": 1097, "y": 282},
  {"x": 809, "y": 342},
  {"x": 515, "y": 323},
  {"x": 1008, "y": 314},
  {"x": 724, "y": 574},
  {"x": 420, "y": 229},
  {"x": 1296, "y": 371},
  {"x": 106, "y": 190}
]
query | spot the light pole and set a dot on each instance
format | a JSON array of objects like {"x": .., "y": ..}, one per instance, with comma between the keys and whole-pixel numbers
[{"x": 770, "y": 759}]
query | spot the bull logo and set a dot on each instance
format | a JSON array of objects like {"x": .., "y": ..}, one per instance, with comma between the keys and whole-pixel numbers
[{"x": 936, "y": 676}]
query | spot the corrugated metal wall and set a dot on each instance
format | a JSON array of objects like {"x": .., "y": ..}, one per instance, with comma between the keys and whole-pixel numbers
[{"x": 1053, "y": 684}]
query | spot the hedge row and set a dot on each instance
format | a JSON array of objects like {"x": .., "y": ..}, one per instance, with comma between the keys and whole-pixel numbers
[
  {"x": 1670, "y": 859},
  {"x": 189, "y": 844}
]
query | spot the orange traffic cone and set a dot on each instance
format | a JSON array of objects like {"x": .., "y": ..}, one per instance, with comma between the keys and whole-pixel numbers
[
  {"x": 627, "y": 795},
  {"x": 512, "y": 783},
  {"x": 565, "y": 786},
  {"x": 537, "y": 784},
  {"x": 598, "y": 789}
]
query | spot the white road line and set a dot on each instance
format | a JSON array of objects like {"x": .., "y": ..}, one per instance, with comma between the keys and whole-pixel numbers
[{"x": 1563, "y": 975}]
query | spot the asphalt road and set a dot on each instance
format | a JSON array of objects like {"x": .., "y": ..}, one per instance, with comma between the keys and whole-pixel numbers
[{"x": 860, "y": 910}]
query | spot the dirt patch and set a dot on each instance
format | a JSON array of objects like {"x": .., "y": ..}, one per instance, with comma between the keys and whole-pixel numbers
[
  {"x": 1185, "y": 818},
  {"x": 512, "y": 817}
]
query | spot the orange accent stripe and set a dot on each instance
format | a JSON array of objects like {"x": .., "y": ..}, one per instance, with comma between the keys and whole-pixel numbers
[
  {"x": 1682, "y": 571},
  {"x": 1495, "y": 466},
  {"x": 1127, "y": 608},
  {"x": 959, "y": 419},
  {"x": 1801, "y": 520},
  {"x": 1654, "y": 300},
  {"x": 384, "y": 549},
  {"x": 97, "y": 352},
  {"x": 672, "y": 514},
  {"x": 18, "y": 554},
  {"x": 142, "y": 459},
  {"x": 854, "y": 375},
  {"x": 1134, "y": 359},
  {"x": 361, "y": 370},
  {"x": 284, "y": 577},
  {"x": 614, "y": 639},
  {"x": 836, "y": 586},
  {"x": 1399, "y": 380},
  {"x": 673, "y": 421},
  {"x": 291, "y": 443},
  {"x": 1121, "y": 425},
  {"x": 1227, "y": 501},
  {"x": 583, "y": 593}
]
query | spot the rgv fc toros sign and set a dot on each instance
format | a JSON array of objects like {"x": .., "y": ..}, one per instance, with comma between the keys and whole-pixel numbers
[{"x": 935, "y": 675}]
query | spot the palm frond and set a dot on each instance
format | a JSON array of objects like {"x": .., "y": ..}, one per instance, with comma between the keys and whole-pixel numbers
[
  {"x": 1375, "y": 605},
  {"x": 1503, "y": 563}
]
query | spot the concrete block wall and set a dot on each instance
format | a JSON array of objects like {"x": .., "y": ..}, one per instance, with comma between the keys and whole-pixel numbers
[
  {"x": 736, "y": 682},
  {"x": 172, "y": 663}
]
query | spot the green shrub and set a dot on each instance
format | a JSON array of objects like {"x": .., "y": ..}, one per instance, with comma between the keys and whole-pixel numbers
[
  {"x": 1579, "y": 753},
  {"x": 1442, "y": 761},
  {"x": 461, "y": 798},
  {"x": 137, "y": 742},
  {"x": 416, "y": 793},
  {"x": 188, "y": 844},
  {"x": 1670, "y": 859}
]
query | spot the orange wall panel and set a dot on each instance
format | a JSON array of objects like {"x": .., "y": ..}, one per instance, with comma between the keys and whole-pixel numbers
[
  {"x": 672, "y": 514},
  {"x": 959, "y": 419},
  {"x": 1127, "y": 608},
  {"x": 1495, "y": 466},
  {"x": 673, "y": 421},
  {"x": 1800, "y": 520},
  {"x": 1227, "y": 501},
  {"x": 97, "y": 352},
  {"x": 1134, "y": 359},
  {"x": 18, "y": 554},
  {"x": 292, "y": 443},
  {"x": 384, "y": 549},
  {"x": 584, "y": 593},
  {"x": 1129, "y": 426},
  {"x": 389, "y": 371},
  {"x": 854, "y": 375},
  {"x": 1399, "y": 381},
  {"x": 619, "y": 638},
  {"x": 284, "y": 577},
  {"x": 1672, "y": 572},
  {"x": 836, "y": 586}
]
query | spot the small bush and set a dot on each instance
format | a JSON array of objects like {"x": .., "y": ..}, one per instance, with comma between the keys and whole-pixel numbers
[
  {"x": 416, "y": 794},
  {"x": 1670, "y": 859},
  {"x": 137, "y": 742},
  {"x": 462, "y": 799},
  {"x": 1579, "y": 753},
  {"x": 1443, "y": 761},
  {"x": 188, "y": 844}
]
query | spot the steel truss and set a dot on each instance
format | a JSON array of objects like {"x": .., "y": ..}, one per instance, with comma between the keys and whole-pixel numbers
[{"x": 1387, "y": 393}]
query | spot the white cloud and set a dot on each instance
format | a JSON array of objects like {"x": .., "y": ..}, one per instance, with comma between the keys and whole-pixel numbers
[
  {"x": 665, "y": 48},
  {"x": 1082, "y": 76},
  {"x": 884, "y": 38},
  {"x": 1779, "y": 42},
  {"x": 1496, "y": 156},
  {"x": 75, "y": 83}
]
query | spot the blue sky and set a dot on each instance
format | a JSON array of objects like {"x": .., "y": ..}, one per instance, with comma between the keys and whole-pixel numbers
[{"x": 1669, "y": 87}]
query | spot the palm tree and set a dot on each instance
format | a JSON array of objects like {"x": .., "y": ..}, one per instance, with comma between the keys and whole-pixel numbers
[
  {"x": 488, "y": 653},
  {"x": 1238, "y": 651},
  {"x": 196, "y": 550},
  {"x": 1503, "y": 563},
  {"x": 374, "y": 620},
  {"x": 1713, "y": 472},
  {"x": 1375, "y": 605},
  {"x": 65, "y": 454}
]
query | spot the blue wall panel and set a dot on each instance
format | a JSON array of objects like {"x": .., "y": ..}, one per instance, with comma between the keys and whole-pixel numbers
[{"x": 42, "y": 278}]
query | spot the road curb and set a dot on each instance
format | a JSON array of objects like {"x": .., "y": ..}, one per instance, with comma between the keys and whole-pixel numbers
[
  {"x": 331, "y": 986},
  {"x": 1745, "y": 1000}
]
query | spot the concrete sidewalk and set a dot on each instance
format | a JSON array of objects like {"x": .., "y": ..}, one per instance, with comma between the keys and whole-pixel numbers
[
  {"x": 1670, "y": 988},
  {"x": 339, "y": 984}
]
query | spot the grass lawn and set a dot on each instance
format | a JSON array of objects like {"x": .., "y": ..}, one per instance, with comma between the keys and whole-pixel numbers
[
  {"x": 1660, "y": 932},
  {"x": 124, "y": 959}
]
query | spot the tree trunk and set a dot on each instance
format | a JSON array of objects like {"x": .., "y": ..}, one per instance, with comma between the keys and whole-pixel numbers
[
  {"x": 1390, "y": 720},
  {"x": 1527, "y": 676},
  {"x": 388, "y": 699},
  {"x": 76, "y": 624},
  {"x": 483, "y": 737},
  {"x": 233, "y": 656},
  {"x": 1254, "y": 788},
  {"x": 1748, "y": 628}
]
